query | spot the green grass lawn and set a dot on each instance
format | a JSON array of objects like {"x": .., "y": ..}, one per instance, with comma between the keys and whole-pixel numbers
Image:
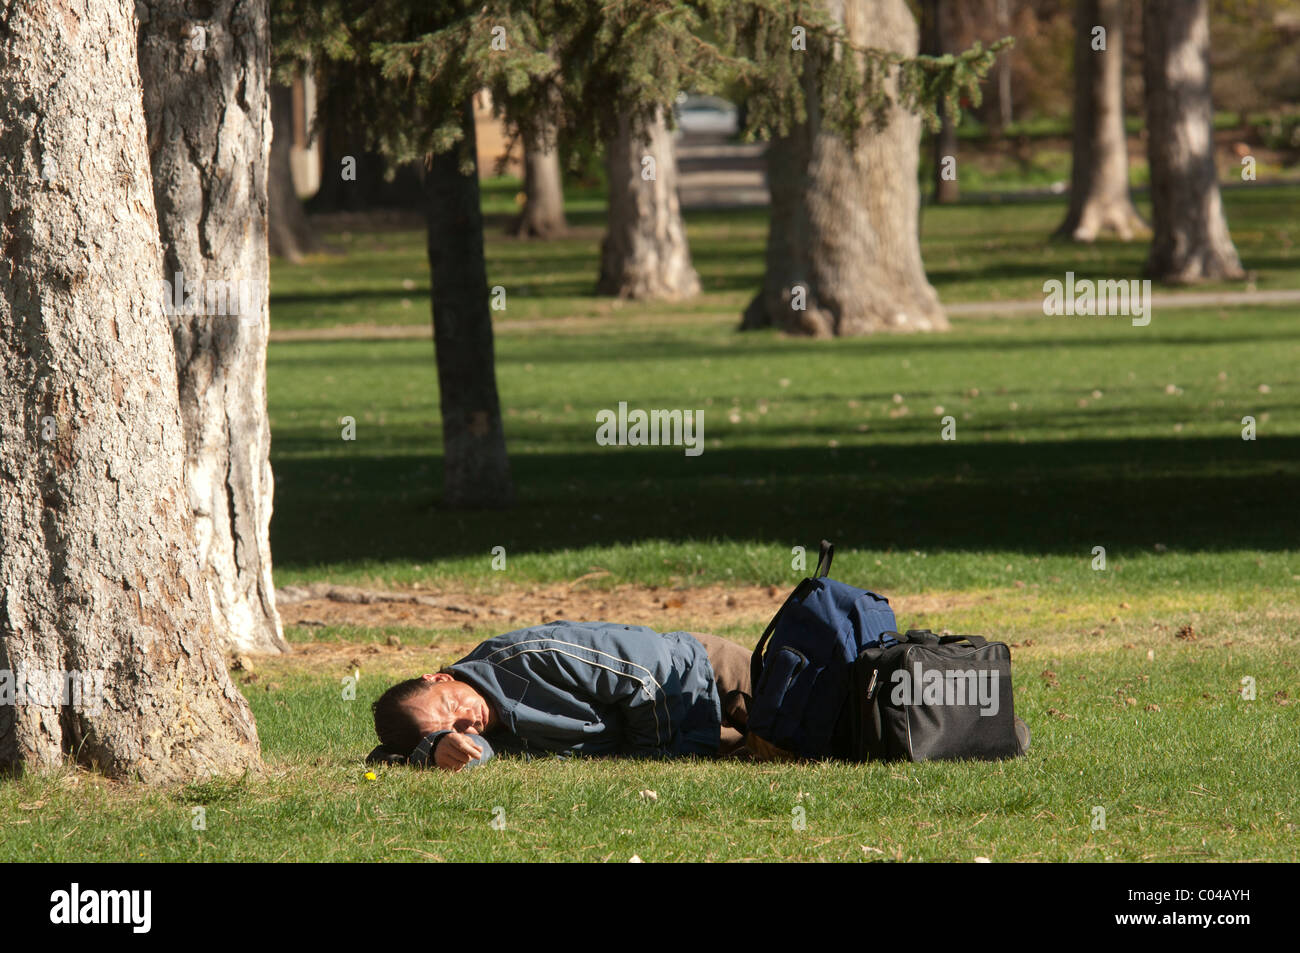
[
  {"x": 1071, "y": 433},
  {"x": 1184, "y": 768},
  {"x": 973, "y": 252}
]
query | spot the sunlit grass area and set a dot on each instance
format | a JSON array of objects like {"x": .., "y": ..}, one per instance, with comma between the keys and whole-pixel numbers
[
  {"x": 974, "y": 252},
  {"x": 1182, "y": 765}
]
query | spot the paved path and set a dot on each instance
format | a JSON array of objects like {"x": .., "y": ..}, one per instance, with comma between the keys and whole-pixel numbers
[
  {"x": 717, "y": 174},
  {"x": 713, "y": 173}
]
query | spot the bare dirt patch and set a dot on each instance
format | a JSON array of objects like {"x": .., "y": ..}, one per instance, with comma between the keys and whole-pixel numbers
[
  {"x": 428, "y": 614},
  {"x": 420, "y": 629},
  {"x": 702, "y": 608},
  {"x": 343, "y": 658}
]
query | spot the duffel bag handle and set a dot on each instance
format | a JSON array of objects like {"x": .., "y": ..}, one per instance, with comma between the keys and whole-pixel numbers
[
  {"x": 915, "y": 636},
  {"x": 975, "y": 640},
  {"x": 925, "y": 636}
]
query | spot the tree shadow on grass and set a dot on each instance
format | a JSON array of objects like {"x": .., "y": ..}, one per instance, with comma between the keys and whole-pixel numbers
[{"x": 1040, "y": 498}]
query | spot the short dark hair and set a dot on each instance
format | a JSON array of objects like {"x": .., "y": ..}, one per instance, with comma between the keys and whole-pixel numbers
[{"x": 397, "y": 728}]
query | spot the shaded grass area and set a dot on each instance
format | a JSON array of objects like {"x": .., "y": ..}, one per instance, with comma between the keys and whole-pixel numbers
[
  {"x": 1185, "y": 768},
  {"x": 1071, "y": 433},
  {"x": 972, "y": 252}
]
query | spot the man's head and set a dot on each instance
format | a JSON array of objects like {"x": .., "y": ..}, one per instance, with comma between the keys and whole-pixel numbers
[{"x": 420, "y": 706}]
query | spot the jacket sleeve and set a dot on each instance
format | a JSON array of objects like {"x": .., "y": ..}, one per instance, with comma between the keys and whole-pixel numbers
[
  {"x": 423, "y": 755},
  {"x": 674, "y": 710},
  {"x": 647, "y": 714}
]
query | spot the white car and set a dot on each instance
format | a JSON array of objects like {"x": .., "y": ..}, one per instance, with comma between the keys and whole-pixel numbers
[{"x": 705, "y": 115}]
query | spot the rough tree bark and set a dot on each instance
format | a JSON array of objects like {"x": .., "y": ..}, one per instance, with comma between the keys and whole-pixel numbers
[
  {"x": 209, "y": 135},
  {"x": 644, "y": 255},
  {"x": 944, "y": 142},
  {"x": 543, "y": 211},
  {"x": 476, "y": 470},
  {"x": 1190, "y": 240},
  {"x": 844, "y": 223},
  {"x": 291, "y": 234},
  {"x": 1099, "y": 189},
  {"x": 98, "y": 570}
]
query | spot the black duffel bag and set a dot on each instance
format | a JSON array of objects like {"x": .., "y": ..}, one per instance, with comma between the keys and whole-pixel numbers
[{"x": 931, "y": 698}]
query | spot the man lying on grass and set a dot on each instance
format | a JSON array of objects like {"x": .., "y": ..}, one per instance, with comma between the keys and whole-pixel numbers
[{"x": 594, "y": 688}]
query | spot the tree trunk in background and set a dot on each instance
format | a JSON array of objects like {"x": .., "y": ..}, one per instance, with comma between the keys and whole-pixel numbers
[
  {"x": 844, "y": 224},
  {"x": 209, "y": 135},
  {"x": 1190, "y": 240},
  {"x": 543, "y": 212},
  {"x": 1099, "y": 190},
  {"x": 291, "y": 234},
  {"x": 1002, "y": 17},
  {"x": 645, "y": 255},
  {"x": 935, "y": 43},
  {"x": 476, "y": 470},
  {"x": 789, "y": 234},
  {"x": 98, "y": 570}
]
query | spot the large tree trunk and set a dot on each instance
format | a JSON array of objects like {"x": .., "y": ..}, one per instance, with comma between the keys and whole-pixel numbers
[
  {"x": 1099, "y": 191},
  {"x": 944, "y": 142},
  {"x": 1191, "y": 240},
  {"x": 291, "y": 234},
  {"x": 476, "y": 470},
  {"x": 543, "y": 211},
  {"x": 843, "y": 234},
  {"x": 98, "y": 571},
  {"x": 645, "y": 255},
  {"x": 209, "y": 135}
]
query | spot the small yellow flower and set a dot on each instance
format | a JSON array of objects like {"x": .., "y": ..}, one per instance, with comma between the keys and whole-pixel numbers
[{"x": 370, "y": 775}]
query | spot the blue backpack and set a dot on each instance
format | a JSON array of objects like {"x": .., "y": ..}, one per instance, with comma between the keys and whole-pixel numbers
[{"x": 801, "y": 678}]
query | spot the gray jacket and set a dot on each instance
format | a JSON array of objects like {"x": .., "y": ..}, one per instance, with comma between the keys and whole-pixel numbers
[{"x": 595, "y": 688}]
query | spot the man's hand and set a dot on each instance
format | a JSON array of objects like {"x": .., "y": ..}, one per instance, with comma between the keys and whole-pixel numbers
[{"x": 455, "y": 750}]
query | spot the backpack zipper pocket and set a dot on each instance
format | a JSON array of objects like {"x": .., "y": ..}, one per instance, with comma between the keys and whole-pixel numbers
[{"x": 799, "y": 666}]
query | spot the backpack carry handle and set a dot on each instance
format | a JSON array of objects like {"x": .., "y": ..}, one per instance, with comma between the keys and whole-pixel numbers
[{"x": 824, "y": 559}]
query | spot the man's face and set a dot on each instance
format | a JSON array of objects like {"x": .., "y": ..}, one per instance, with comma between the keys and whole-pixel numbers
[{"x": 447, "y": 704}]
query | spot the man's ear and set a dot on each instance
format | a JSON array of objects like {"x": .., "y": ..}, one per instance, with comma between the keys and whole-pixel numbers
[{"x": 440, "y": 677}]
